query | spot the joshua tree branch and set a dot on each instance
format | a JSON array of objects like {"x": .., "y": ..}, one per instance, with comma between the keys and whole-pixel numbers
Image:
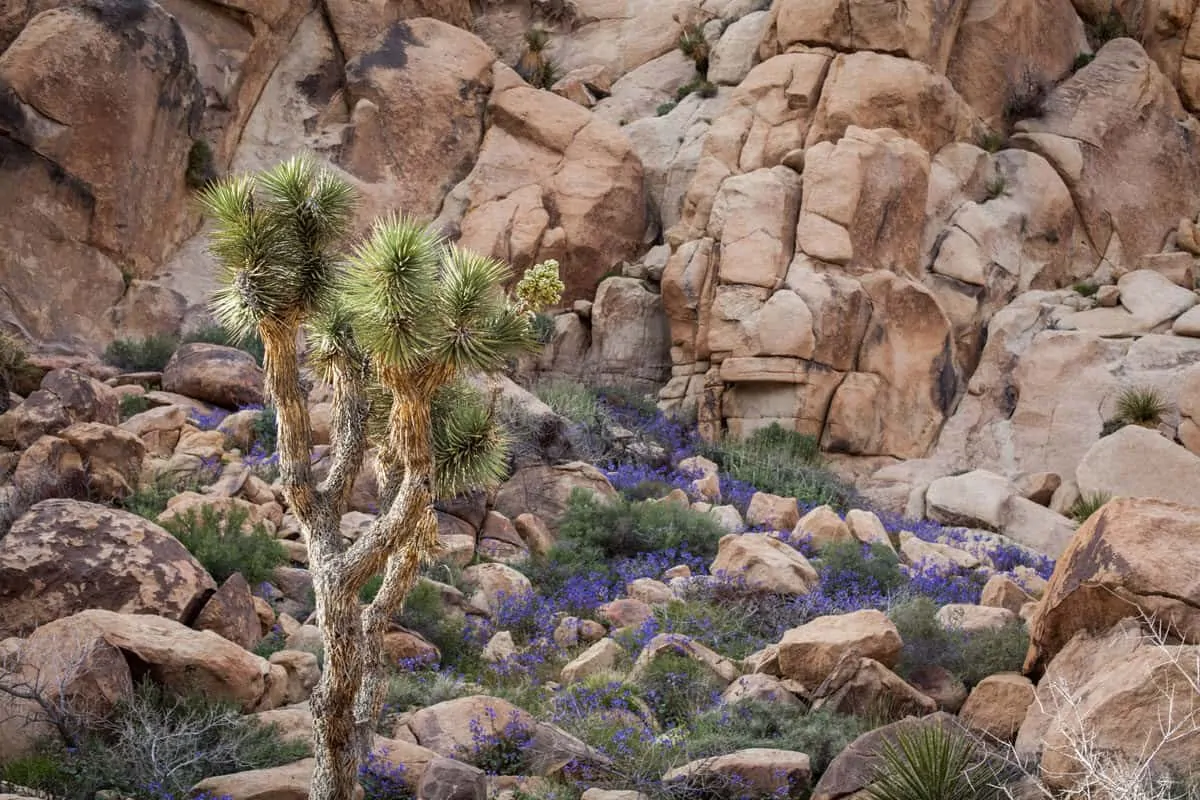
[
  {"x": 351, "y": 407},
  {"x": 282, "y": 377}
]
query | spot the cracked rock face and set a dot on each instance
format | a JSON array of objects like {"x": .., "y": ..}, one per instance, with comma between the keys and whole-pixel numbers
[
  {"x": 1134, "y": 555},
  {"x": 98, "y": 106}
]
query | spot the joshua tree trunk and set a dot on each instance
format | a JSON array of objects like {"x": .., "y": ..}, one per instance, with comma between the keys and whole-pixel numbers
[
  {"x": 410, "y": 447},
  {"x": 334, "y": 731}
]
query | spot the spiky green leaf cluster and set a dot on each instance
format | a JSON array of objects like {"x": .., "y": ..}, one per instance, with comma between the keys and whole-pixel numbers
[
  {"x": 419, "y": 304},
  {"x": 275, "y": 242},
  {"x": 470, "y": 447},
  {"x": 932, "y": 763}
]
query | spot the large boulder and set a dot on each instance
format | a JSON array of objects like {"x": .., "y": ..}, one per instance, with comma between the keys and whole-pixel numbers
[
  {"x": 755, "y": 772},
  {"x": 288, "y": 782},
  {"x": 413, "y": 160},
  {"x": 1132, "y": 556},
  {"x": 874, "y": 90},
  {"x": 64, "y": 398},
  {"x": 551, "y": 181},
  {"x": 1004, "y": 48},
  {"x": 224, "y": 376},
  {"x": 983, "y": 499},
  {"x": 113, "y": 457},
  {"x": 74, "y": 671},
  {"x": 810, "y": 652},
  {"x": 630, "y": 340},
  {"x": 82, "y": 211},
  {"x": 764, "y": 564},
  {"x": 181, "y": 659},
  {"x": 1117, "y": 694},
  {"x": 922, "y": 31},
  {"x": 230, "y": 612},
  {"x": 1139, "y": 462},
  {"x": 50, "y": 467},
  {"x": 997, "y": 705},
  {"x": 496, "y": 585},
  {"x": 621, "y": 36},
  {"x": 1117, "y": 133},
  {"x": 361, "y": 27},
  {"x": 905, "y": 371},
  {"x": 452, "y": 728},
  {"x": 545, "y": 490},
  {"x": 65, "y": 556}
]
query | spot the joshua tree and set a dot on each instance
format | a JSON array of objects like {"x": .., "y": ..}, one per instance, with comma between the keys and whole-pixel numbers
[{"x": 390, "y": 327}]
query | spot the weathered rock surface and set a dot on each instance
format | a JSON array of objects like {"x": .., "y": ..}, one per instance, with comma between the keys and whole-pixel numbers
[
  {"x": 997, "y": 705},
  {"x": 764, "y": 564},
  {"x": 810, "y": 652},
  {"x": 178, "y": 657},
  {"x": 1133, "y": 556},
  {"x": 1138, "y": 462},
  {"x": 551, "y": 181},
  {"x": 82, "y": 210},
  {"x": 64, "y": 556},
  {"x": 224, "y": 376},
  {"x": 545, "y": 490},
  {"x": 448, "y": 729},
  {"x": 1106, "y": 685}
]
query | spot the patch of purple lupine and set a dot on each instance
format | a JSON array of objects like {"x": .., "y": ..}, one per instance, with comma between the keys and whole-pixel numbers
[
  {"x": 678, "y": 439},
  {"x": 208, "y": 421},
  {"x": 956, "y": 586},
  {"x": 383, "y": 780},
  {"x": 625, "y": 476},
  {"x": 499, "y": 752}
]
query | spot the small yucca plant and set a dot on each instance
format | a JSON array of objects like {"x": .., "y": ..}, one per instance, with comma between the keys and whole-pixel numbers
[
  {"x": 535, "y": 66},
  {"x": 1142, "y": 405},
  {"x": 932, "y": 763},
  {"x": 1086, "y": 505}
]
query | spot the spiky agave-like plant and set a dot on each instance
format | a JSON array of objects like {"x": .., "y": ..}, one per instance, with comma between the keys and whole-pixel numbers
[{"x": 390, "y": 327}]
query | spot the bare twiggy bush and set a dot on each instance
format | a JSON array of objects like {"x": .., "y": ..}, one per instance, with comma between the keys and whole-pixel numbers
[{"x": 1097, "y": 771}]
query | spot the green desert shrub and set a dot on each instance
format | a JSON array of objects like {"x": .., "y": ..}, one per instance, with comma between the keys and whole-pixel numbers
[
  {"x": 134, "y": 404},
  {"x": 1105, "y": 28},
  {"x": 220, "y": 542},
  {"x": 693, "y": 45},
  {"x": 413, "y": 689},
  {"x": 782, "y": 462},
  {"x": 933, "y": 763},
  {"x": 201, "y": 166},
  {"x": 970, "y": 657},
  {"x": 150, "y": 354},
  {"x": 1142, "y": 405},
  {"x": 1026, "y": 97},
  {"x": 193, "y": 738},
  {"x": 755, "y": 723},
  {"x": 677, "y": 687},
  {"x": 1086, "y": 288},
  {"x": 594, "y": 532},
  {"x": 15, "y": 369},
  {"x": 543, "y": 327},
  {"x": 849, "y": 569},
  {"x": 572, "y": 400},
  {"x": 699, "y": 86}
]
